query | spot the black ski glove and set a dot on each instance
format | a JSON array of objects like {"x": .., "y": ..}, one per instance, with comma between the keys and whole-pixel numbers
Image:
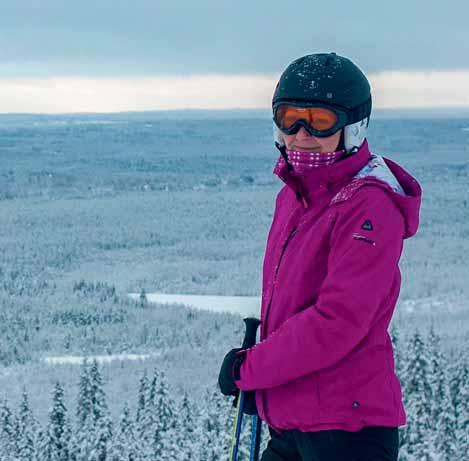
[{"x": 229, "y": 372}]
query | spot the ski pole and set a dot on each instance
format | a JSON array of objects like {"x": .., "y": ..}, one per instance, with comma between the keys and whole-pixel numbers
[
  {"x": 256, "y": 427},
  {"x": 251, "y": 324}
]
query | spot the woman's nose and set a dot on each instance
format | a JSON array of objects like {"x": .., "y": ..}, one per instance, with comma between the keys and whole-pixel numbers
[{"x": 303, "y": 134}]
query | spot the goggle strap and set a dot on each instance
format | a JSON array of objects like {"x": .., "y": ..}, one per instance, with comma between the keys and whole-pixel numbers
[{"x": 283, "y": 152}]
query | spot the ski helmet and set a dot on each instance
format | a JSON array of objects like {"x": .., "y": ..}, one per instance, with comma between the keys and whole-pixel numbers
[{"x": 331, "y": 81}]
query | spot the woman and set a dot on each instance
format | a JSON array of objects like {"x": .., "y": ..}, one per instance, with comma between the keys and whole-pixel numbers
[{"x": 323, "y": 371}]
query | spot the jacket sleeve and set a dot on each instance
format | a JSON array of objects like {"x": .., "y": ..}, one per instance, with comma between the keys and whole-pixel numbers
[{"x": 366, "y": 244}]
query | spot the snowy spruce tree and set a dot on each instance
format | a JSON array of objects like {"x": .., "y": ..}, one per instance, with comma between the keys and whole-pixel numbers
[
  {"x": 435, "y": 358},
  {"x": 156, "y": 419},
  {"x": 162, "y": 407},
  {"x": 461, "y": 399},
  {"x": 54, "y": 445},
  {"x": 144, "y": 385},
  {"x": 100, "y": 417},
  {"x": 215, "y": 425},
  {"x": 142, "y": 298},
  {"x": 125, "y": 446},
  {"x": 144, "y": 417},
  {"x": 84, "y": 395},
  {"x": 443, "y": 414},
  {"x": 400, "y": 359},
  {"x": 7, "y": 432},
  {"x": 418, "y": 443},
  {"x": 82, "y": 440},
  {"x": 99, "y": 407},
  {"x": 93, "y": 432},
  {"x": 186, "y": 430},
  {"x": 26, "y": 431},
  {"x": 102, "y": 444}
]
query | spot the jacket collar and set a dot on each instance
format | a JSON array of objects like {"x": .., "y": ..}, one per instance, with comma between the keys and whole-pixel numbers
[{"x": 307, "y": 184}]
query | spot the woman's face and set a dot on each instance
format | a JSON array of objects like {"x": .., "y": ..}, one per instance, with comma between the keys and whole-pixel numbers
[{"x": 303, "y": 141}]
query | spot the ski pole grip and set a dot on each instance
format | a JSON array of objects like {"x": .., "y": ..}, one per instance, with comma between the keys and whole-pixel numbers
[{"x": 251, "y": 330}]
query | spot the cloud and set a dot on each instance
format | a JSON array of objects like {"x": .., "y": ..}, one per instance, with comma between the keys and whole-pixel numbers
[
  {"x": 421, "y": 89},
  {"x": 103, "y": 94},
  {"x": 78, "y": 94}
]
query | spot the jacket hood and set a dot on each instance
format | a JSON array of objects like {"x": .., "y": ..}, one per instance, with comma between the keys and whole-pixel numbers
[{"x": 404, "y": 189}]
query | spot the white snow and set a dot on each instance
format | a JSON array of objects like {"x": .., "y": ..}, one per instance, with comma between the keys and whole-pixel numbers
[
  {"x": 78, "y": 360},
  {"x": 242, "y": 305},
  {"x": 433, "y": 304}
]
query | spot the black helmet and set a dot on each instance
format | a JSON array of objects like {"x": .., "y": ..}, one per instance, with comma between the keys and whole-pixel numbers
[{"x": 330, "y": 80}]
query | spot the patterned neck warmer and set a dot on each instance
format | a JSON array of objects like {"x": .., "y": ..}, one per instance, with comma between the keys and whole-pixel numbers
[{"x": 303, "y": 161}]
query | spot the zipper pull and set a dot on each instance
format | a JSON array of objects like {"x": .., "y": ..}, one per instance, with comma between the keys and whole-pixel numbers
[{"x": 301, "y": 198}]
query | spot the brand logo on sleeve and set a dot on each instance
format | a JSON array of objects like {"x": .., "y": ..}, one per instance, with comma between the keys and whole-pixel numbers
[
  {"x": 367, "y": 225},
  {"x": 364, "y": 239}
]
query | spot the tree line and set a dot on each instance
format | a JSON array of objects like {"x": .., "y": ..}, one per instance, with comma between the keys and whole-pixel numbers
[{"x": 163, "y": 424}]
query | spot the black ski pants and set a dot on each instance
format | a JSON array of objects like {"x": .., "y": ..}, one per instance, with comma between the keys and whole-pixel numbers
[{"x": 374, "y": 443}]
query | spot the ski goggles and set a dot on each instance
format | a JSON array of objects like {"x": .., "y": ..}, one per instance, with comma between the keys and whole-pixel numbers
[{"x": 317, "y": 121}]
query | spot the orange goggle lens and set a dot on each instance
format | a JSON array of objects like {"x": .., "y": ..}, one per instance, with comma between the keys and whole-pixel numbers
[{"x": 319, "y": 118}]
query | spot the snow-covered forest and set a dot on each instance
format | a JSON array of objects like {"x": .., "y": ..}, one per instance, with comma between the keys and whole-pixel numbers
[
  {"x": 161, "y": 424},
  {"x": 94, "y": 207}
]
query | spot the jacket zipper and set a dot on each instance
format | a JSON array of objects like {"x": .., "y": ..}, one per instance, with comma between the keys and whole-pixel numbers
[
  {"x": 293, "y": 232},
  {"x": 287, "y": 241}
]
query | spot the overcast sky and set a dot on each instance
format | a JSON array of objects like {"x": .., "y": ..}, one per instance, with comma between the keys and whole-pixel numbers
[{"x": 87, "y": 45}]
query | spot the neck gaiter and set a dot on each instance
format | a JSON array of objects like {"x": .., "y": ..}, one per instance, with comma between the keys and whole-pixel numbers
[{"x": 304, "y": 161}]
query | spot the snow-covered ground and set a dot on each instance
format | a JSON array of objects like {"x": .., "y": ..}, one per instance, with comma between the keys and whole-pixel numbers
[
  {"x": 434, "y": 304},
  {"x": 78, "y": 360},
  {"x": 247, "y": 306}
]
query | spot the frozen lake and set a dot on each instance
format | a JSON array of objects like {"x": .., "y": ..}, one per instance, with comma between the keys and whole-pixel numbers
[
  {"x": 246, "y": 306},
  {"x": 78, "y": 360}
]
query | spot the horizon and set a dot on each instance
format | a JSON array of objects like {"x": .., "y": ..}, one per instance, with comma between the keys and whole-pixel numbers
[{"x": 379, "y": 113}]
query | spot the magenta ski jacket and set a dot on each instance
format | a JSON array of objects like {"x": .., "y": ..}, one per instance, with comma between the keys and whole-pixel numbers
[{"x": 331, "y": 280}]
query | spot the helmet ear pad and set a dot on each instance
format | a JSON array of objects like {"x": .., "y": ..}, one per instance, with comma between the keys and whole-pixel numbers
[{"x": 354, "y": 134}]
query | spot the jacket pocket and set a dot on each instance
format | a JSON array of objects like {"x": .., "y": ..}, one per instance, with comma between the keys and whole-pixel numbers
[{"x": 294, "y": 404}]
